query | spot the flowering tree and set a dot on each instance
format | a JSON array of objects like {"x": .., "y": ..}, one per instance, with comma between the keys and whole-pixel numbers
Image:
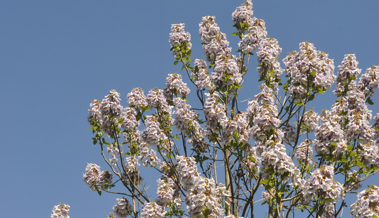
[{"x": 220, "y": 160}]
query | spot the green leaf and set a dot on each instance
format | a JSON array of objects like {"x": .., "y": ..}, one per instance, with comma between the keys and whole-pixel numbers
[
  {"x": 360, "y": 164},
  {"x": 369, "y": 101},
  {"x": 176, "y": 62}
]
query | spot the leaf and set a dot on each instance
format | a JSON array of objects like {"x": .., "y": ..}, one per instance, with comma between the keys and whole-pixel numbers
[
  {"x": 360, "y": 164},
  {"x": 369, "y": 101},
  {"x": 176, "y": 62}
]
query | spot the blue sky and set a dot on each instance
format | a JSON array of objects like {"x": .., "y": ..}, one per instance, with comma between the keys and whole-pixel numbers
[{"x": 58, "y": 55}]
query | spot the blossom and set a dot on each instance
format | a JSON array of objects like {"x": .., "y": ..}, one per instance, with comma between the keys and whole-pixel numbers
[
  {"x": 175, "y": 86},
  {"x": 321, "y": 185},
  {"x": 256, "y": 32},
  {"x": 131, "y": 164},
  {"x": 153, "y": 210},
  {"x": 348, "y": 71},
  {"x": 153, "y": 134},
  {"x": 202, "y": 193},
  {"x": 226, "y": 71},
  {"x": 60, "y": 211},
  {"x": 275, "y": 160},
  {"x": 214, "y": 111},
  {"x": 243, "y": 13},
  {"x": 216, "y": 43},
  {"x": 367, "y": 204},
  {"x": 136, "y": 98},
  {"x": 201, "y": 75},
  {"x": 304, "y": 152},
  {"x": 179, "y": 37},
  {"x": 110, "y": 109},
  {"x": 94, "y": 112},
  {"x": 166, "y": 191},
  {"x": 310, "y": 122},
  {"x": 308, "y": 69},
  {"x": 96, "y": 179},
  {"x": 186, "y": 120},
  {"x": 129, "y": 120},
  {"x": 369, "y": 81},
  {"x": 123, "y": 208},
  {"x": 147, "y": 155}
]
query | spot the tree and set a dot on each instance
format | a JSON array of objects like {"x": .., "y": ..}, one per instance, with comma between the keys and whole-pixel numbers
[{"x": 300, "y": 160}]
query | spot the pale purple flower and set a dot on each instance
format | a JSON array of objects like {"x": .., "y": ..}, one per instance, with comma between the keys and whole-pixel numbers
[
  {"x": 60, "y": 211},
  {"x": 243, "y": 13},
  {"x": 136, "y": 98},
  {"x": 367, "y": 203},
  {"x": 347, "y": 72},
  {"x": 96, "y": 179},
  {"x": 147, "y": 155},
  {"x": 153, "y": 210},
  {"x": 175, "y": 86},
  {"x": 179, "y": 37},
  {"x": 123, "y": 208}
]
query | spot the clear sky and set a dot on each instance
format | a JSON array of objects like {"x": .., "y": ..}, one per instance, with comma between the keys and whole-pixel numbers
[{"x": 58, "y": 55}]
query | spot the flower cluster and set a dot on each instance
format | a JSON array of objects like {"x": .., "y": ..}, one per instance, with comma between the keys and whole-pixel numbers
[
  {"x": 243, "y": 13},
  {"x": 329, "y": 135},
  {"x": 94, "y": 112},
  {"x": 203, "y": 198},
  {"x": 215, "y": 41},
  {"x": 175, "y": 86},
  {"x": 255, "y": 33},
  {"x": 348, "y": 71},
  {"x": 178, "y": 37},
  {"x": 153, "y": 134},
  {"x": 369, "y": 81},
  {"x": 322, "y": 186},
  {"x": 153, "y": 210},
  {"x": 129, "y": 120},
  {"x": 201, "y": 75},
  {"x": 310, "y": 122},
  {"x": 275, "y": 160},
  {"x": 226, "y": 71},
  {"x": 186, "y": 120},
  {"x": 269, "y": 67},
  {"x": 367, "y": 204},
  {"x": 131, "y": 164},
  {"x": 147, "y": 155},
  {"x": 252, "y": 160},
  {"x": 214, "y": 111},
  {"x": 308, "y": 69},
  {"x": 156, "y": 99},
  {"x": 110, "y": 109},
  {"x": 238, "y": 128},
  {"x": 123, "y": 208},
  {"x": 136, "y": 98},
  {"x": 96, "y": 179},
  {"x": 370, "y": 154},
  {"x": 167, "y": 192},
  {"x": 115, "y": 153},
  {"x": 61, "y": 211},
  {"x": 264, "y": 114},
  {"x": 304, "y": 152}
]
